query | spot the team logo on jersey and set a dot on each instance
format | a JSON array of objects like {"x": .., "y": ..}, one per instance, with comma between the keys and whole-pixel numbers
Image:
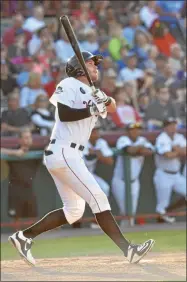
[
  {"x": 82, "y": 90},
  {"x": 59, "y": 90}
]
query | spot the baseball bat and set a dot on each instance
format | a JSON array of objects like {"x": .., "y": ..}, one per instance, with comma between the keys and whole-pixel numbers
[{"x": 74, "y": 43}]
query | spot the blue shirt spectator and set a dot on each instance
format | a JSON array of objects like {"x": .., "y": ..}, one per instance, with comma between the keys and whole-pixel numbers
[
  {"x": 130, "y": 30},
  {"x": 171, "y": 6}
]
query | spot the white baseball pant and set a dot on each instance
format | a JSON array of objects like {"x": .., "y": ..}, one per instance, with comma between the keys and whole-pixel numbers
[
  {"x": 119, "y": 192},
  {"x": 75, "y": 184},
  {"x": 103, "y": 184},
  {"x": 165, "y": 183}
]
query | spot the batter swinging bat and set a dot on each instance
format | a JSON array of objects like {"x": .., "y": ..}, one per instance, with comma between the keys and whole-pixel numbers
[{"x": 74, "y": 43}]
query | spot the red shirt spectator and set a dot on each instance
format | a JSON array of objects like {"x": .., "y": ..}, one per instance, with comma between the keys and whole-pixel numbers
[
  {"x": 124, "y": 113},
  {"x": 85, "y": 8},
  {"x": 10, "y": 34}
]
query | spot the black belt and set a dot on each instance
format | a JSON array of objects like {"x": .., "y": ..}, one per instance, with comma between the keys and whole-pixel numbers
[
  {"x": 72, "y": 145},
  {"x": 171, "y": 172}
]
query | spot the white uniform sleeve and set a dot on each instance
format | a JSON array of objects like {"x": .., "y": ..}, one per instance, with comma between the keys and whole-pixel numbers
[
  {"x": 163, "y": 145},
  {"x": 64, "y": 94},
  {"x": 147, "y": 144},
  {"x": 180, "y": 141},
  {"x": 123, "y": 142},
  {"x": 103, "y": 146}
]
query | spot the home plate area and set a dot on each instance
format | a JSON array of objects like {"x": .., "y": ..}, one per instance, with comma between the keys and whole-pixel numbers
[{"x": 154, "y": 267}]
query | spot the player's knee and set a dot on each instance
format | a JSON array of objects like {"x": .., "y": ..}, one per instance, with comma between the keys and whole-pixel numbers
[
  {"x": 99, "y": 202},
  {"x": 73, "y": 215}
]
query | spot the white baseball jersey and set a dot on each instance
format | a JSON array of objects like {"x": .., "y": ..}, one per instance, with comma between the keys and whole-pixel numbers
[
  {"x": 75, "y": 94},
  {"x": 164, "y": 144},
  {"x": 101, "y": 145},
  {"x": 136, "y": 161}
]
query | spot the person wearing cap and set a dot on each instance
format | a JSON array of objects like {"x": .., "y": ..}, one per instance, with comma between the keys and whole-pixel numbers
[
  {"x": 98, "y": 150},
  {"x": 35, "y": 22},
  {"x": 131, "y": 72},
  {"x": 170, "y": 149},
  {"x": 137, "y": 147}
]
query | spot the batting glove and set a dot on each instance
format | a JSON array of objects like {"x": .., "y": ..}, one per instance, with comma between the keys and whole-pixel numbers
[
  {"x": 97, "y": 109},
  {"x": 101, "y": 96}
]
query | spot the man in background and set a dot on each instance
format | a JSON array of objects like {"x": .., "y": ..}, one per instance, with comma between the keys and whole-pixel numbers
[{"x": 21, "y": 198}]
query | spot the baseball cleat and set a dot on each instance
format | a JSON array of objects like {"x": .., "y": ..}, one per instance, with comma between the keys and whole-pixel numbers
[
  {"x": 136, "y": 252},
  {"x": 166, "y": 218},
  {"x": 23, "y": 245}
]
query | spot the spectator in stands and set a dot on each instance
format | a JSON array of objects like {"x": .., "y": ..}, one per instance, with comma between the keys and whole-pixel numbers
[
  {"x": 168, "y": 75},
  {"x": 57, "y": 71},
  {"x": 8, "y": 82},
  {"x": 63, "y": 44},
  {"x": 30, "y": 91},
  {"x": 176, "y": 57},
  {"x": 162, "y": 38},
  {"x": 124, "y": 113},
  {"x": 90, "y": 43},
  {"x": 161, "y": 61},
  {"x": 108, "y": 82},
  {"x": 137, "y": 147},
  {"x": 9, "y": 35},
  {"x": 23, "y": 77},
  {"x": 108, "y": 22},
  {"x": 143, "y": 103},
  {"x": 133, "y": 27},
  {"x": 41, "y": 117},
  {"x": 170, "y": 8},
  {"x": 141, "y": 46},
  {"x": 117, "y": 42},
  {"x": 36, "y": 21},
  {"x": 160, "y": 108},
  {"x": 84, "y": 8},
  {"x": 131, "y": 72},
  {"x": 103, "y": 46},
  {"x": 5, "y": 59},
  {"x": 150, "y": 63},
  {"x": 21, "y": 197},
  {"x": 15, "y": 118},
  {"x": 121, "y": 63},
  {"x": 18, "y": 50},
  {"x": 39, "y": 40},
  {"x": 107, "y": 65},
  {"x": 181, "y": 74}
]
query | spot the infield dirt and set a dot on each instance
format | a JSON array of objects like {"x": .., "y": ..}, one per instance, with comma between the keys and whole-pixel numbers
[{"x": 154, "y": 267}]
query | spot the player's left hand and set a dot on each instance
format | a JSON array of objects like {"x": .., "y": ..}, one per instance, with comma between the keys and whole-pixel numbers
[{"x": 100, "y": 96}]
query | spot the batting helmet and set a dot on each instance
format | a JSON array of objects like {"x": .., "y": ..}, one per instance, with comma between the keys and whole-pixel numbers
[{"x": 73, "y": 67}]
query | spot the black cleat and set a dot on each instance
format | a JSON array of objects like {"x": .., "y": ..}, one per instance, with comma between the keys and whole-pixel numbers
[
  {"x": 136, "y": 252},
  {"x": 23, "y": 245}
]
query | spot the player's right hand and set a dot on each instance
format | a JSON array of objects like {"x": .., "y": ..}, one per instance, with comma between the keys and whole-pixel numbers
[{"x": 97, "y": 109}]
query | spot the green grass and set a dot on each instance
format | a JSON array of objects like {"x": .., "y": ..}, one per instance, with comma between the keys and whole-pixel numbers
[{"x": 166, "y": 241}]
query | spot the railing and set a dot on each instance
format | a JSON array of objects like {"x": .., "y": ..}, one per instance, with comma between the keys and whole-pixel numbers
[{"x": 39, "y": 142}]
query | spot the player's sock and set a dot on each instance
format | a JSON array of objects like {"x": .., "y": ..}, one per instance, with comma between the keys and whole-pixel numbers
[
  {"x": 108, "y": 224},
  {"x": 50, "y": 221}
]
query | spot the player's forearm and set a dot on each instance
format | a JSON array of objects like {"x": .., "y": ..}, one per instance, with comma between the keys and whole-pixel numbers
[
  {"x": 10, "y": 152},
  {"x": 146, "y": 152},
  {"x": 171, "y": 155},
  {"x": 67, "y": 114},
  {"x": 133, "y": 150},
  {"x": 106, "y": 160},
  {"x": 111, "y": 108}
]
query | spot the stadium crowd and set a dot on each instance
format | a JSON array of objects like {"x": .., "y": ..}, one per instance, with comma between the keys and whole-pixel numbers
[{"x": 144, "y": 66}]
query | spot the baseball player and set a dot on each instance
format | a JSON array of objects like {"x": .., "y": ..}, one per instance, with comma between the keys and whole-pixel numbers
[
  {"x": 137, "y": 147},
  {"x": 76, "y": 113},
  {"x": 97, "y": 149},
  {"x": 170, "y": 148}
]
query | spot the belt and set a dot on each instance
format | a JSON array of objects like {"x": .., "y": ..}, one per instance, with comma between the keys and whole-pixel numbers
[
  {"x": 72, "y": 145},
  {"x": 171, "y": 172}
]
